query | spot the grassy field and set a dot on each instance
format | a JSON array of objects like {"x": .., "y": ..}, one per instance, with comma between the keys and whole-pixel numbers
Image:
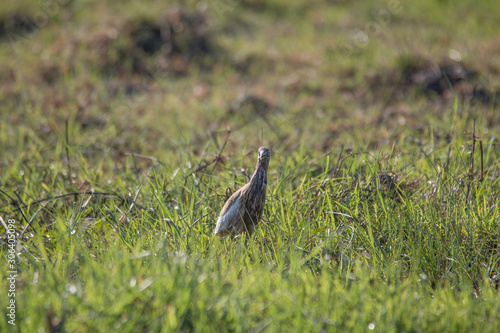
[{"x": 125, "y": 125}]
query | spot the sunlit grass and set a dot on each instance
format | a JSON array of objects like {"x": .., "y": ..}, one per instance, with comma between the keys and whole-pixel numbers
[{"x": 342, "y": 252}]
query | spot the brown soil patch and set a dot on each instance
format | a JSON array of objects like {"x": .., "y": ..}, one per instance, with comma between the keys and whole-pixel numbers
[
  {"x": 436, "y": 81},
  {"x": 172, "y": 43}
]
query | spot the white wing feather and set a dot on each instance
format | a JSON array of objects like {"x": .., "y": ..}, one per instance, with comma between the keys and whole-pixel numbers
[{"x": 226, "y": 222}]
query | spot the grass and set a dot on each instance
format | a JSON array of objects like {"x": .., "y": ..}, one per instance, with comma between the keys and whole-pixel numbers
[{"x": 120, "y": 147}]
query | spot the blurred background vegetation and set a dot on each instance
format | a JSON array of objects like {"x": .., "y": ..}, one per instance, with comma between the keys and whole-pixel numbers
[{"x": 320, "y": 75}]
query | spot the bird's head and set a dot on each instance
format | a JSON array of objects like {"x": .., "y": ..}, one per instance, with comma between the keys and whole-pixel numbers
[{"x": 264, "y": 154}]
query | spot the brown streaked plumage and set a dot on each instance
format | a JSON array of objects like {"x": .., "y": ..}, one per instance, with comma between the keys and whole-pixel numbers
[{"x": 243, "y": 209}]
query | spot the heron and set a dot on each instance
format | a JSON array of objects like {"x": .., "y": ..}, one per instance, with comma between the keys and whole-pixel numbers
[{"x": 243, "y": 210}]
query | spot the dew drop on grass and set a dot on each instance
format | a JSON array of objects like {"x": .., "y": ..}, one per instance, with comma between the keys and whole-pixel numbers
[
  {"x": 371, "y": 326},
  {"x": 454, "y": 55},
  {"x": 71, "y": 288}
]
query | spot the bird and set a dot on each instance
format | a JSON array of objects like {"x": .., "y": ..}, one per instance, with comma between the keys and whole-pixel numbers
[{"x": 243, "y": 210}]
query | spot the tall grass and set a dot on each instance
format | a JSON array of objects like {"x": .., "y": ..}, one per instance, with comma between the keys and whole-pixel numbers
[{"x": 352, "y": 249}]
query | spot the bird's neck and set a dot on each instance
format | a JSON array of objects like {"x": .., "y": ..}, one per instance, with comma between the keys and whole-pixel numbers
[{"x": 260, "y": 173}]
